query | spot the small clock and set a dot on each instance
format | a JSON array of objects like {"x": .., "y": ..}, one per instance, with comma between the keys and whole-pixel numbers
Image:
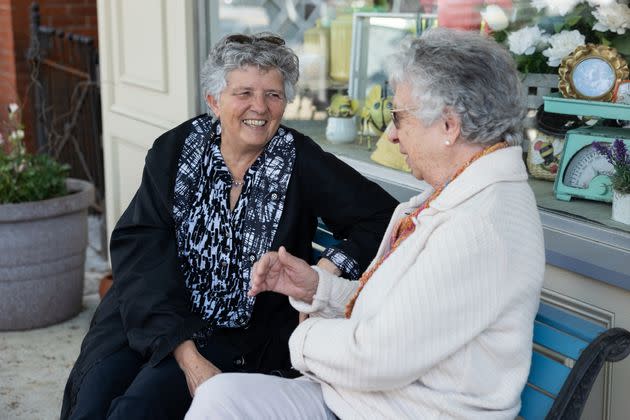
[
  {"x": 591, "y": 72},
  {"x": 584, "y": 173}
]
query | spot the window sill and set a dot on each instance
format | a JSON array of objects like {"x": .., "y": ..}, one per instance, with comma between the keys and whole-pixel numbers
[{"x": 579, "y": 235}]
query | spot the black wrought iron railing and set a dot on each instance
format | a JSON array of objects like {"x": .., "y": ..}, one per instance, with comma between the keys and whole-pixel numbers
[{"x": 66, "y": 95}]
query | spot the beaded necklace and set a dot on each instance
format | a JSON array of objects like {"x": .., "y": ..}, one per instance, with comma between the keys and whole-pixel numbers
[{"x": 406, "y": 226}]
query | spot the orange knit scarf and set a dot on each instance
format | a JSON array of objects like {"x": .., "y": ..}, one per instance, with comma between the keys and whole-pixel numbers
[{"x": 406, "y": 226}]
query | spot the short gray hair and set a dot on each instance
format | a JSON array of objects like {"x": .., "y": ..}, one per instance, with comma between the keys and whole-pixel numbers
[
  {"x": 230, "y": 53},
  {"x": 465, "y": 73}
]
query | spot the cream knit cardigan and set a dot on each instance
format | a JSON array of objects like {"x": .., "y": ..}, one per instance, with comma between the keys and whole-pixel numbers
[{"x": 443, "y": 329}]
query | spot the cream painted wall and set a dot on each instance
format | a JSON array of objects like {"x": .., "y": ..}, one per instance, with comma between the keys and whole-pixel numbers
[{"x": 148, "y": 85}]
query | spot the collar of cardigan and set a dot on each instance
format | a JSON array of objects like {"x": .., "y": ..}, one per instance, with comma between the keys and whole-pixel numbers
[{"x": 505, "y": 165}]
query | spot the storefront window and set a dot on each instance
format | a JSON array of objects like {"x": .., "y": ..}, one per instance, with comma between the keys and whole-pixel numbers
[{"x": 343, "y": 44}]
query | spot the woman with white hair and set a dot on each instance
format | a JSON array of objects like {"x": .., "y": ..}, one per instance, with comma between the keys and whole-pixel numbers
[
  {"x": 440, "y": 325},
  {"x": 216, "y": 194}
]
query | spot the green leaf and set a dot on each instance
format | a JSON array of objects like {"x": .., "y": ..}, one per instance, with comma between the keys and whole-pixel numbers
[
  {"x": 31, "y": 178},
  {"x": 572, "y": 20},
  {"x": 622, "y": 44}
]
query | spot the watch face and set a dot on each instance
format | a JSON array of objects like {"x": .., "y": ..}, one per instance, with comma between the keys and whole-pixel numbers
[
  {"x": 593, "y": 77},
  {"x": 585, "y": 165}
]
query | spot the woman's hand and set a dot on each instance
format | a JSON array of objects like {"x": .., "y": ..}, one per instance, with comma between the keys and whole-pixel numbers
[
  {"x": 283, "y": 273},
  {"x": 197, "y": 368}
]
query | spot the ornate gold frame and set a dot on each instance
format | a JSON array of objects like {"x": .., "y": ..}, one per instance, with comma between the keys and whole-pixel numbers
[{"x": 584, "y": 52}]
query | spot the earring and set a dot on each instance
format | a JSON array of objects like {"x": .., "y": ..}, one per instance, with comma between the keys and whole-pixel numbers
[{"x": 447, "y": 142}]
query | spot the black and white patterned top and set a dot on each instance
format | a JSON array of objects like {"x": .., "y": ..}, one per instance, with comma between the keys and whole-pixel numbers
[{"x": 217, "y": 247}]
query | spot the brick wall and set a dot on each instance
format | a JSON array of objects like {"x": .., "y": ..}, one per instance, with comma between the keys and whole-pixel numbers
[
  {"x": 8, "y": 83},
  {"x": 78, "y": 16}
]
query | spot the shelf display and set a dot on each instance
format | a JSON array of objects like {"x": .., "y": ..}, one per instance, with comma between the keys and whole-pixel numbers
[{"x": 584, "y": 172}]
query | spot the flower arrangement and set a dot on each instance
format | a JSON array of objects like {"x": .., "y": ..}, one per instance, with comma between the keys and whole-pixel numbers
[
  {"x": 24, "y": 176},
  {"x": 540, "y": 33},
  {"x": 617, "y": 154}
]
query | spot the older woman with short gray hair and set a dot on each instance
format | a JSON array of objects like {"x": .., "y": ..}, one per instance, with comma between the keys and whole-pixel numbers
[
  {"x": 440, "y": 325},
  {"x": 217, "y": 193},
  {"x": 471, "y": 77}
]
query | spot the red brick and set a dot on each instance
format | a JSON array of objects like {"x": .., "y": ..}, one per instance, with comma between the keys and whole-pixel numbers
[{"x": 78, "y": 16}]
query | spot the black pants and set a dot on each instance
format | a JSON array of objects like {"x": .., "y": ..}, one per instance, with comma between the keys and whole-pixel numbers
[{"x": 122, "y": 386}]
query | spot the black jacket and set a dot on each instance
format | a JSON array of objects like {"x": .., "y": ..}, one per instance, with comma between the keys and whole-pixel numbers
[{"x": 147, "y": 307}]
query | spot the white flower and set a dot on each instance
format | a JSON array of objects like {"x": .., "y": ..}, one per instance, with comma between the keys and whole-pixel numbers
[
  {"x": 16, "y": 135},
  {"x": 1, "y": 139},
  {"x": 495, "y": 17},
  {"x": 561, "y": 45},
  {"x": 556, "y": 7},
  {"x": 13, "y": 108},
  {"x": 614, "y": 17},
  {"x": 525, "y": 40},
  {"x": 539, "y": 4},
  {"x": 595, "y": 3}
]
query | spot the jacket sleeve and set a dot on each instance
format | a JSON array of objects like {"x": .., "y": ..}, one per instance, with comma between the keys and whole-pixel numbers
[
  {"x": 431, "y": 311},
  {"x": 147, "y": 277},
  {"x": 355, "y": 209}
]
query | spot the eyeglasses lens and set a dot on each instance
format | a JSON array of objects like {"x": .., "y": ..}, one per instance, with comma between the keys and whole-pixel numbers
[{"x": 395, "y": 119}]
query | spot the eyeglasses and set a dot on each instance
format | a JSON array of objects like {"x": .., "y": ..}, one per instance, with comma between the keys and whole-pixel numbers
[
  {"x": 250, "y": 39},
  {"x": 396, "y": 118}
]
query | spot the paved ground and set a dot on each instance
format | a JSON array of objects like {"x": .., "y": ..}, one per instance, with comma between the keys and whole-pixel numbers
[{"x": 35, "y": 364}]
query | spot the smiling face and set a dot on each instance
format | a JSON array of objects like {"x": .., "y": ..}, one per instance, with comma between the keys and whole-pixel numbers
[
  {"x": 250, "y": 107},
  {"x": 423, "y": 146}
]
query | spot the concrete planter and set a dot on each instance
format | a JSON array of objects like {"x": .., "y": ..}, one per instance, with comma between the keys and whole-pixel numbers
[{"x": 42, "y": 258}]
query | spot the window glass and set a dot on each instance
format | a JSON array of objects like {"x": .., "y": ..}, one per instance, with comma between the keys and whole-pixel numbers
[{"x": 337, "y": 58}]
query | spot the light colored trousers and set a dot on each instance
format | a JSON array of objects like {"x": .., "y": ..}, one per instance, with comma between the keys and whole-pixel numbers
[{"x": 255, "y": 396}]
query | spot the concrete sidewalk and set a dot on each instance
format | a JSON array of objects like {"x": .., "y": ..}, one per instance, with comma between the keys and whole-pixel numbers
[{"x": 35, "y": 364}]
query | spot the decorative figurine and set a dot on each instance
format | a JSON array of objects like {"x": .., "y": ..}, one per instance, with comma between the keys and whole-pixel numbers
[
  {"x": 341, "y": 126},
  {"x": 375, "y": 114}
]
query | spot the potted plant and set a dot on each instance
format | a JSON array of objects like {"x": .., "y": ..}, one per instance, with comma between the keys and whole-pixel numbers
[
  {"x": 43, "y": 234},
  {"x": 341, "y": 126},
  {"x": 617, "y": 154}
]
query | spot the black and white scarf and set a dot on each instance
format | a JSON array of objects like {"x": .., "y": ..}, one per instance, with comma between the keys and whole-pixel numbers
[{"x": 217, "y": 247}]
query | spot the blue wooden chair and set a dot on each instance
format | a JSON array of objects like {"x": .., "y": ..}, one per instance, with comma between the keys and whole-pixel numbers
[{"x": 569, "y": 353}]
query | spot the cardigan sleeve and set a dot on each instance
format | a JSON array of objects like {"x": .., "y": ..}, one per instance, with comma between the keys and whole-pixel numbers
[
  {"x": 331, "y": 296},
  {"x": 452, "y": 290},
  {"x": 355, "y": 209},
  {"x": 147, "y": 278}
]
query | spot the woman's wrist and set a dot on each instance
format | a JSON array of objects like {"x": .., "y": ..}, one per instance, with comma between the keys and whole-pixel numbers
[
  {"x": 186, "y": 353},
  {"x": 311, "y": 289},
  {"x": 329, "y": 266}
]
